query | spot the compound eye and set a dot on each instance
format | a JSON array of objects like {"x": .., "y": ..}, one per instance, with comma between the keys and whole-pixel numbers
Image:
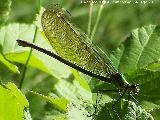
[{"x": 136, "y": 89}]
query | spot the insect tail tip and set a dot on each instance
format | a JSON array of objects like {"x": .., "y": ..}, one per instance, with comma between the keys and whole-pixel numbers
[{"x": 22, "y": 43}]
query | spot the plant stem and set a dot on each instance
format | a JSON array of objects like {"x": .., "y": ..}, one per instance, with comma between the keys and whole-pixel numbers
[
  {"x": 97, "y": 21},
  {"x": 27, "y": 61},
  {"x": 39, "y": 6},
  {"x": 90, "y": 18},
  {"x": 30, "y": 53}
]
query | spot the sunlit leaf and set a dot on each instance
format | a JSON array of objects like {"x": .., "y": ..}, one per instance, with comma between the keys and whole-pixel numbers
[
  {"x": 12, "y": 102},
  {"x": 139, "y": 49},
  {"x": 9, "y": 65}
]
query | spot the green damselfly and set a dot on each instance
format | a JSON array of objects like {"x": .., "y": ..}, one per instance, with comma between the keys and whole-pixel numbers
[{"x": 74, "y": 49}]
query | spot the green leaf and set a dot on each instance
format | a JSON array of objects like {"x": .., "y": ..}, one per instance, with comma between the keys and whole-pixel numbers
[
  {"x": 154, "y": 66},
  {"x": 61, "y": 103},
  {"x": 139, "y": 49},
  {"x": 150, "y": 106},
  {"x": 51, "y": 113},
  {"x": 122, "y": 110},
  {"x": 9, "y": 65},
  {"x": 82, "y": 82},
  {"x": 27, "y": 115},
  {"x": 76, "y": 113},
  {"x": 149, "y": 84},
  {"x": 137, "y": 113},
  {"x": 21, "y": 57},
  {"x": 73, "y": 91},
  {"x": 77, "y": 95},
  {"x": 12, "y": 102}
]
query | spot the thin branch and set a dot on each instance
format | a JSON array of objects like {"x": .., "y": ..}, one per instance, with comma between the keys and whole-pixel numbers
[
  {"x": 22, "y": 77},
  {"x": 97, "y": 21},
  {"x": 27, "y": 61},
  {"x": 90, "y": 18}
]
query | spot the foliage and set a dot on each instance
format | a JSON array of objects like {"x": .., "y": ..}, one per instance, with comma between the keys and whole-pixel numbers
[
  {"x": 12, "y": 103},
  {"x": 55, "y": 91}
]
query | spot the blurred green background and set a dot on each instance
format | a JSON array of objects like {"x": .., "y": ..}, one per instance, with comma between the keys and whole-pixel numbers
[{"x": 116, "y": 22}]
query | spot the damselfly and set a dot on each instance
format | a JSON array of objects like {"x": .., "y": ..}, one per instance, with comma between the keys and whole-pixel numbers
[{"x": 74, "y": 49}]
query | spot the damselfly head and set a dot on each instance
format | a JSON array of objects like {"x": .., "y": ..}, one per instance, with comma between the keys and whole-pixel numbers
[{"x": 135, "y": 88}]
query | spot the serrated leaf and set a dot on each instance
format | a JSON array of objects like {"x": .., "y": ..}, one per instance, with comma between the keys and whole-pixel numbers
[
  {"x": 139, "y": 49},
  {"x": 137, "y": 57},
  {"x": 149, "y": 84},
  {"x": 137, "y": 113},
  {"x": 12, "y": 102},
  {"x": 59, "y": 102},
  {"x": 122, "y": 110}
]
